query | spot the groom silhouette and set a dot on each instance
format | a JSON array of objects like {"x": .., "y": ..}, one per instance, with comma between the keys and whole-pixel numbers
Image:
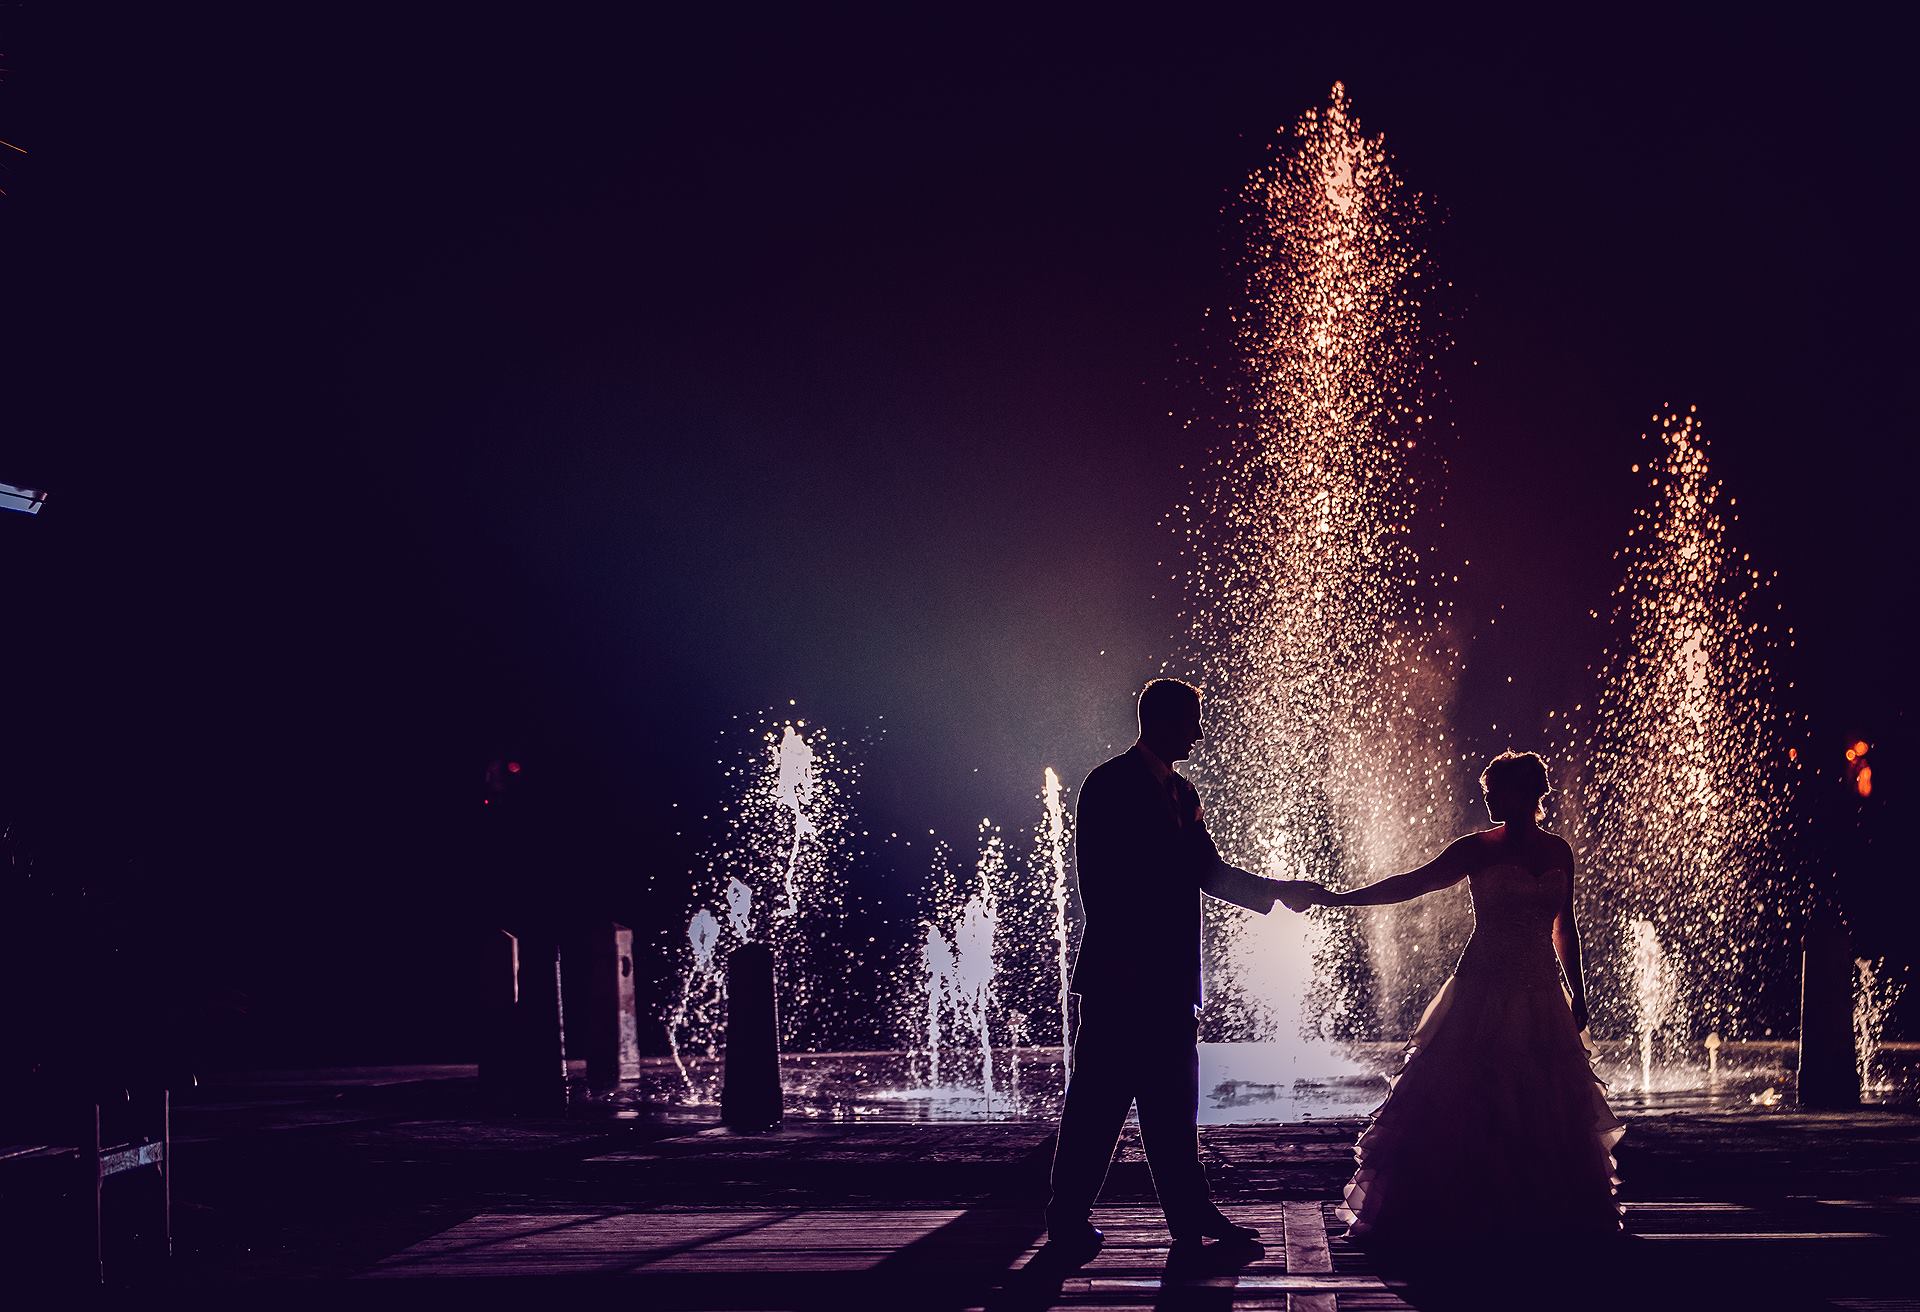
[{"x": 1142, "y": 856}]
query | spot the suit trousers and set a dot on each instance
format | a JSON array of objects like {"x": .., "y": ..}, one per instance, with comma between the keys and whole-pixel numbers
[{"x": 1126, "y": 1054}]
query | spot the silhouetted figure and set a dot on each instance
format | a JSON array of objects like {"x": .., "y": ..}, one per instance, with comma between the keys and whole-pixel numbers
[
  {"x": 1143, "y": 857},
  {"x": 1497, "y": 1128}
]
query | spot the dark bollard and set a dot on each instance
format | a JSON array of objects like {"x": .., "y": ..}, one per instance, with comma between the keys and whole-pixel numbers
[
  {"x": 750, "y": 1095},
  {"x": 608, "y": 1034},
  {"x": 1827, "y": 1076},
  {"x": 499, "y": 995},
  {"x": 540, "y": 1032}
]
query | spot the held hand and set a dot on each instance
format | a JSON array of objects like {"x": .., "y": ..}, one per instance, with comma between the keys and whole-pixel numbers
[{"x": 1299, "y": 894}]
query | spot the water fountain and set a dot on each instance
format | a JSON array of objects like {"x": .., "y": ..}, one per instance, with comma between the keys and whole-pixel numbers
[
  {"x": 794, "y": 781},
  {"x": 971, "y": 981},
  {"x": 1685, "y": 811},
  {"x": 1317, "y": 637},
  {"x": 1655, "y": 993},
  {"x": 739, "y": 910},
  {"x": 700, "y": 992},
  {"x": 786, "y": 835},
  {"x": 1016, "y": 977},
  {"x": 1875, "y": 994},
  {"x": 960, "y": 967},
  {"x": 1056, "y": 852}
]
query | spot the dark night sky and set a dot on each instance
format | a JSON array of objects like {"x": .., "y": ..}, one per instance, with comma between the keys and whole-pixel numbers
[{"x": 412, "y": 390}]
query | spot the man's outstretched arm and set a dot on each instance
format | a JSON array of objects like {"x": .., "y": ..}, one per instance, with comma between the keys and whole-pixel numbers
[
  {"x": 1228, "y": 882},
  {"x": 1243, "y": 888}
]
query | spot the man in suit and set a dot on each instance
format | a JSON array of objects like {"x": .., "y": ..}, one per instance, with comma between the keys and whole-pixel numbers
[{"x": 1143, "y": 857}]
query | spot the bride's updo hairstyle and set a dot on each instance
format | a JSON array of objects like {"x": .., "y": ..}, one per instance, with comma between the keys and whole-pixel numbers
[{"x": 1514, "y": 782}]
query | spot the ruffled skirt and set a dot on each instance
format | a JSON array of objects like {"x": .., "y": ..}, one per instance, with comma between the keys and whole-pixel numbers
[{"x": 1495, "y": 1127}]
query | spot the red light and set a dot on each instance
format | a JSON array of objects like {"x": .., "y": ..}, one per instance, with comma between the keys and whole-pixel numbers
[
  {"x": 486, "y": 801},
  {"x": 513, "y": 767}
]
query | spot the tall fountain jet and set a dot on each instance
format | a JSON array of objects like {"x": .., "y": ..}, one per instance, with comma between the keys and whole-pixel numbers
[
  {"x": 1318, "y": 637},
  {"x": 1056, "y": 839},
  {"x": 1688, "y": 804},
  {"x": 693, "y": 1014},
  {"x": 793, "y": 784},
  {"x": 1654, "y": 997}
]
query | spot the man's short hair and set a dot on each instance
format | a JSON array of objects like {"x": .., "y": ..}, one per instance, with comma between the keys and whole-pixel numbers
[{"x": 1162, "y": 699}]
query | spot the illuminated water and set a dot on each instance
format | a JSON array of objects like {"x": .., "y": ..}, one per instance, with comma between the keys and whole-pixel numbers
[
  {"x": 1875, "y": 992},
  {"x": 1311, "y": 621},
  {"x": 1655, "y": 994},
  {"x": 1056, "y": 841},
  {"x": 1680, "y": 796},
  {"x": 795, "y": 780},
  {"x": 701, "y": 996},
  {"x": 995, "y": 942},
  {"x": 775, "y": 871},
  {"x": 960, "y": 990}
]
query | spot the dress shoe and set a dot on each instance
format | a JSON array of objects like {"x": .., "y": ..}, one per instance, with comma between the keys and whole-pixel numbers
[
  {"x": 1218, "y": 1227},
  {"x": 1193, "y": 1256},
  {"x": 1074, "y": 1245}
]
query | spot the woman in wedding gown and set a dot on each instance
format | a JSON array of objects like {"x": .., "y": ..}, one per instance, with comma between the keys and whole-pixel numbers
[{"x": 1496, "y": 1125}]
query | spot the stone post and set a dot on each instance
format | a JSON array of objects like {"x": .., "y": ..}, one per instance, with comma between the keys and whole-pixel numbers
[{"x": 608, "y": 1034}]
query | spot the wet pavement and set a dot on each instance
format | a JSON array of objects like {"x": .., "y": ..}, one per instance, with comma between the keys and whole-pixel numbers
[{"x": 404, "y": 1184}]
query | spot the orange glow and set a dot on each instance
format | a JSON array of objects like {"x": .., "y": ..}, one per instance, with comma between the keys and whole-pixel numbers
[
  {"x": 1793, "y": 753},
  {"x": 1864, "y": 781},
  {"x": 1859, "y": 749},
  {"x": 1850, "y": 753}
]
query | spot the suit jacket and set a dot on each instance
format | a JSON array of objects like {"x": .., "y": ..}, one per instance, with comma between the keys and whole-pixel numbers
[{"x": 1142, "y": 857}]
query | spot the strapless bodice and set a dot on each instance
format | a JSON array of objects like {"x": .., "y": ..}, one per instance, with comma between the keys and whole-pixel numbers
[{"x": 1513, "y": 912}]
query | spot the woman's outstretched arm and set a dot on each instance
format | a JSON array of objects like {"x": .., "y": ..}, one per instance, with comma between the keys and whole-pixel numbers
[
  {"x": 1566, "y": 944},
  {"x": 1449, "y": 868}
]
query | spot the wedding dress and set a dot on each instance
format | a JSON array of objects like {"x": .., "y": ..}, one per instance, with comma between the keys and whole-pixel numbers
[{"x": 1496, "y": 1126}]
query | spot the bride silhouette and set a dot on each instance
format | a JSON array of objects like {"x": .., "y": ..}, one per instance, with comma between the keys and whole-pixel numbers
[{"x": 1496, "y": 1124}]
